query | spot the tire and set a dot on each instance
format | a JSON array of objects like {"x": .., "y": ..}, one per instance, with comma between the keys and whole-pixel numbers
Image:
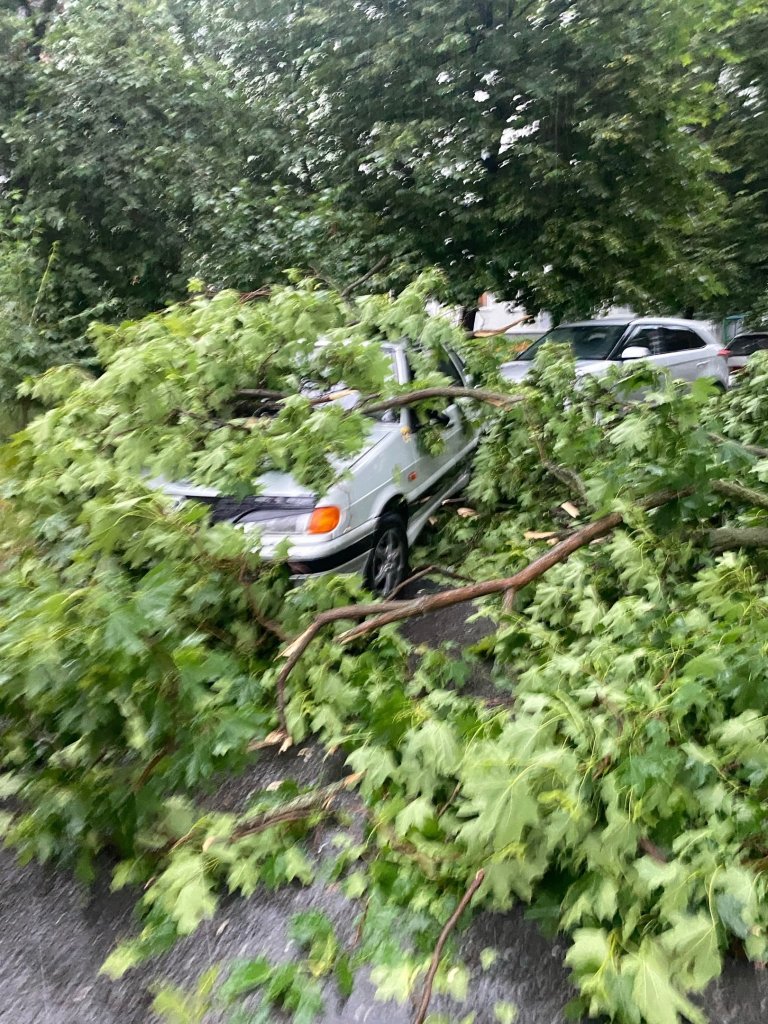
[{"x": 387, "y": 564}]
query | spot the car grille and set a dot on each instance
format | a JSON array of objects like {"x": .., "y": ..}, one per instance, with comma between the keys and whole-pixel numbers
[{"x": 228, "y": 509}]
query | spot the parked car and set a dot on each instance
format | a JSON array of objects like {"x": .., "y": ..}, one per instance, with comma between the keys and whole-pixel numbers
[
  {"x": 686, "y": 348},
  {"x": 369, "y": 519},
  {"x": 738, "y": 351}
]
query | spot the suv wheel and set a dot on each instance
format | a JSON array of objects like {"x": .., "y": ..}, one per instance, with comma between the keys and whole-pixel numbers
[{"x": 388, "y": 561}]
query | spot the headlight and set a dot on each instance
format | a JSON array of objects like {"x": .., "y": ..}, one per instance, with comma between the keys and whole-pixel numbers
[
  {"x": 290, "y": 522},
  {"x": 323, "y": 519}
]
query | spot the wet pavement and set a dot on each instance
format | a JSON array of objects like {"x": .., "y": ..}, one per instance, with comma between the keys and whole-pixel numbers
[{"x": 55, "y": 934}]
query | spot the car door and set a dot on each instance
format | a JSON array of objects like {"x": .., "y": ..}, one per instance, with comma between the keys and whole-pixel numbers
[
  {"x": 457, "y": 439},
  {"x": 662, "y": 343},
  {"x": 688, "y": 355}
]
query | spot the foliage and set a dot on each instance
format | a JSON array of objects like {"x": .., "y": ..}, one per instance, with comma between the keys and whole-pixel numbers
[
  {"x": 136, "y": 639},
  {"x": 576, "y": 157},
  {"x": 621, "y": 791},
  {"x": 30, "y": 319}
]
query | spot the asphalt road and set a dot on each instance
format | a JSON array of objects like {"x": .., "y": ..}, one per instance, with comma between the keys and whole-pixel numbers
[{"x": 55, "y": 934}]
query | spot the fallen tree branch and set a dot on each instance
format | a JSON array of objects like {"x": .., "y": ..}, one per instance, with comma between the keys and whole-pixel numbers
[
  {"x": 753, "y": 449},
  {"x": 149, "y": 768},
  {"x": 496, "y": 398},
  {"x": 740, "y": 493},
  {"x": 450, "y": 924},
  {"x": 319, "y": 800},
  {"x": 559, "y": 553},
  {"x": 729, "y": 537},
  {"x": 372, "y": 404},
  {"x": 385, "y": 612}
]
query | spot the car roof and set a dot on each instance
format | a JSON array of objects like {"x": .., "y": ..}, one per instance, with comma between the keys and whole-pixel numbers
[
  {"x": 750, "y": 334},
  {"x": 616, "y": 321},
  {"x": 627, "y": 321}
]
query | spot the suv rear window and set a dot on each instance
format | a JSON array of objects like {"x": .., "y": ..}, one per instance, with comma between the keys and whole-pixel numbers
[{"x": 746, "y": 344}]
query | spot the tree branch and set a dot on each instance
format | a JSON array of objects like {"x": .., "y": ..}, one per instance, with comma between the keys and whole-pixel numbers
[
  {"x": 499, "y": 399},
  {"x": 429, "y": 570},
  {"x": 740, "y": 493},
  {"x": 727, "y": 538},
  {"x": 450, "y": 924},
  {"x": 753, "y": 449},
  {"x": 346, "y": 292},
  {"x": 385, "y": 612},
  {"x": 559, "y": 553},
  {"x": 496, "y": 398}
]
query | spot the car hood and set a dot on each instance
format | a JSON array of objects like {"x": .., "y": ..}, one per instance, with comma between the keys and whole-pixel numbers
[
  {"x": 519, "y": 369},
  {"x": 275, "y": 484}
]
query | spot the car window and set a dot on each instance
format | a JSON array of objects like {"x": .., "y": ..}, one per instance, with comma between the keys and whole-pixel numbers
[
  {"x": 588, "y": 341},
  {"x": 680, "y": 339},
  {"x": 747, "y": 344},
  {"x": 647, "y": 337}
]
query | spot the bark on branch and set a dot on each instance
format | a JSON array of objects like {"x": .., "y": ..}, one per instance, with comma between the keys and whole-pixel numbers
[
  {"x": 727, "y": 538},
  {"x": 371, "y": 405},
  {"x": 740, "y": 493},
  {"x": 366, "y": 277}
]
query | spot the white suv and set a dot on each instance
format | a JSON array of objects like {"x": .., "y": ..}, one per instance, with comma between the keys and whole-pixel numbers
[
  {"x": 381, "y": 502},
  {"x": 686, "y": 348}
]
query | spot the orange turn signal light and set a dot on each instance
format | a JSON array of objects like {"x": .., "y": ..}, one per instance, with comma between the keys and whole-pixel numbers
[{"x": 324, "y": 519}]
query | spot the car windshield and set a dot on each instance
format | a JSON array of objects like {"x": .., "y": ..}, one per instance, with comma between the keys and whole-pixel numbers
[{"x": 588, "y": 341}]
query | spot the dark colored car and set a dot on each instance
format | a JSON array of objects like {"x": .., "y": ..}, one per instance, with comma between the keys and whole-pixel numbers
[{"x": 742, "y": 347}]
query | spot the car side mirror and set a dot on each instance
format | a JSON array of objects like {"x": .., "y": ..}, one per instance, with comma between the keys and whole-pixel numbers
[{"x": 636, "y": 352}]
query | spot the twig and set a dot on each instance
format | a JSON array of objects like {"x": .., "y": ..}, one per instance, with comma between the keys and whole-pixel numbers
[
  {"x": 149, "y": 768},
  {"x": 450, "y": 924},
  {"x": 262, "y": 393},
  {"x": 296, "y": 810},
  {"x": 346, "y": 292},
  {"x": 358, "y": 934},
  {"x": 259, "y": 293},
  {"x": 429, "y": 570},
  {"x": 444, "y": 807}
]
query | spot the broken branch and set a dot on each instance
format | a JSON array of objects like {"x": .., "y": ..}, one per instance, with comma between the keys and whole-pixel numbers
[
  {"x": 450, "y": 924},
  {"x": 385, "y": 612}
]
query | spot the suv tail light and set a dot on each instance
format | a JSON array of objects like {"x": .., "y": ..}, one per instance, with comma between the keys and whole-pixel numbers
[{"x": 725, "y": 353}]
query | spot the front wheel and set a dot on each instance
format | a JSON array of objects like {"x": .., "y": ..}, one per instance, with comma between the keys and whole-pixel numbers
[{"x": 388, "y": 561}]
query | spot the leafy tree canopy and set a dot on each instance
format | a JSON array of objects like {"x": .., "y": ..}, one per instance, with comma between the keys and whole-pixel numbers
[{"x": 616, "y": 775}]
